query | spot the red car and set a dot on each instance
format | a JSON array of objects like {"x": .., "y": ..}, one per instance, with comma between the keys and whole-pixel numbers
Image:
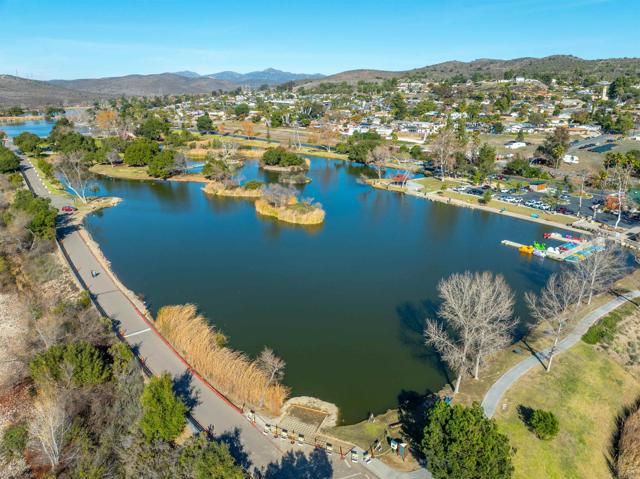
[{"x": 68, "y": 209}]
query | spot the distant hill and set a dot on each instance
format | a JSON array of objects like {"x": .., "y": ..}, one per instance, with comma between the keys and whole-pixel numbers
[
  {"x": 270, "y": 76},
  {"x": 555, "y": 65},
  {"x": 146, "y": 85},
  {"x": 187, "y": 74},
  {"x": 16, "y": 91}
]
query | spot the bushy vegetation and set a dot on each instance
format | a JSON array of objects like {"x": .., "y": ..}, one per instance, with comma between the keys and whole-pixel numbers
[
  {"x": 79, "y": 363},
  {"x": 162, "y": 412},
  {"x": 27, "y": 142},
  {"x": 162, "y": 165},
  {"x": 604, "y": 330},
  {"x": 14, "y": 441},
  {"x": 9, "y": 162},
  {"x": 544, "y": 423},
  {"x": 461, "y": 443},
  {"x": 279, "y": 156},
  {"x": 359, "y": 146},
  {"x": 140, "y": 152},
  {"x": 41, "y": 214},
  {"x": 521, "y": 167}
]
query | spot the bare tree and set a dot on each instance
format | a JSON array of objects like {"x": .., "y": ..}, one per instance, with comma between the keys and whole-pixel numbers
[
  {"x": 619, "y": 178},
  {"x": 113, "y": 158},
  {"x": 477, "y": 309},
  {"x": 76, "y": 174},
  {"x": 443, "y": 148},
  {"x": 378, "y": 158},
  {"x": 273, "y": 366},
  {"x": 278, "y": 195},
  {"x": 599, "y": 270},
  {"x": 493, "y": 313},
  {"x": 554, "y": 305},
  {"x": 50, "y": 425}
]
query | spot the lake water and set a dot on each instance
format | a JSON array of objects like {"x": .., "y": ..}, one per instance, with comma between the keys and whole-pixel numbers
[
  {"x": 41, "y": 128},
  {"x": 343, "y": 303}
]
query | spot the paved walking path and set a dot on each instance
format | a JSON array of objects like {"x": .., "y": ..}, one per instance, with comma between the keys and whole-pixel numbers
[
  {"x": 211, "y": 409},
  {"x": 495, "y": 393}
]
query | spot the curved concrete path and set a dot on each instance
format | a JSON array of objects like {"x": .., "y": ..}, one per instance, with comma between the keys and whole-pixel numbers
[{"x": 497, "y": 390}]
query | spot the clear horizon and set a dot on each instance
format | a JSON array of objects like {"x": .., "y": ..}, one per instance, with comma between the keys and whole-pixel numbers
[{"x": 47, "y": 40}]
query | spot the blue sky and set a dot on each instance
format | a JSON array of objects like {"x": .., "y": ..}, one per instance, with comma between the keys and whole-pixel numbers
[{"x": 84, "y": 39}]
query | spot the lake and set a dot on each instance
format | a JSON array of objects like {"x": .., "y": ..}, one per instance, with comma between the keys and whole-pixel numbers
[
  {"x": 343, "y": 303},
  {"x": 41, "y": 128}
]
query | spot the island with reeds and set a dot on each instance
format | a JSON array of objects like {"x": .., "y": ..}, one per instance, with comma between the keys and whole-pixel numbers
[
  {"x": 251, "y": 189},
  {"x": 283, "y": 204}
]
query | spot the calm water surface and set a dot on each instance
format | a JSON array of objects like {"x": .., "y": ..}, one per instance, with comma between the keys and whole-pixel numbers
[
  {"x": 41, "y": 128},
  {"x": 343, "y": 303}
]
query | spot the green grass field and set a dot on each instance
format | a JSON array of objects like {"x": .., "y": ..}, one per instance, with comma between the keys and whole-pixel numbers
[{"x": 586, "y": 390}]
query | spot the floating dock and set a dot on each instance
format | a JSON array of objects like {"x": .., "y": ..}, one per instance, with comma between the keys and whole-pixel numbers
[{"x": 572, "y": 249}]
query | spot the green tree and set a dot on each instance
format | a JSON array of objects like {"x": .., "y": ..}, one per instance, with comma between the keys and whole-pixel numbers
[
  {"x": 42, "y": 214},
  {"x": 279, "y": 156},
  {"x": 162, "y": 165},
  {"x": 461, "y": 443},
  {"x": 554, "y": 146},
  {"x": 204, "y": 124},
  {"x": 203, "y": 459},
  {"x": 8, "y": 160},
  {"x": 163, "y": 415},
  {"x": 140, "y": 152},
  {"x": 27, "y": 142},
  {"x": 544, "y": 423},
  {"x": 153, "y": 128},
  {"x": 486, "y": 159},
  {"x": 398, "y": 106},
  {"x": 241, "y": 110}
]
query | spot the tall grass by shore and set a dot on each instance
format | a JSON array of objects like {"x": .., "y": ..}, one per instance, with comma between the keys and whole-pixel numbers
[{"x": 232, "y": 372}]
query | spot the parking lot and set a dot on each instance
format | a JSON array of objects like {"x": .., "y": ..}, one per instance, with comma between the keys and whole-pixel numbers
[{"x": 566, "y": 203}]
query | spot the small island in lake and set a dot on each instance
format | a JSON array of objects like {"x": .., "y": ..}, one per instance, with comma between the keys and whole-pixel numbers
[
  {"x": 282, "y": 203},
  {"x": 281, "y": 160},
  {"x": 251, "y": 189}
]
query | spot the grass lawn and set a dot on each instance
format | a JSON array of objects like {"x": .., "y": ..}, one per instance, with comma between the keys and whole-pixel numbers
[
  {"x": 586, "y": 390},
  {"x": 52, "y": 185},
  {"x": 122, "y": 171},
  {"x": 431, "y": 184}
]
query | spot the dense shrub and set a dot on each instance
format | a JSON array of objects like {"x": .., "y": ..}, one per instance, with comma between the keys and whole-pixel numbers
[
  {"x": 140, "y": 152},
  {"x": 8, "y": 160},
  {"x": 46, "y": 167},
  {"x": 14, "y": 441},
  {"x": 604, "y": 330},
  {"x": 27, "y": 142},
  {"x": 544, "y": 423},
  {"x": 43, "y": 215},
  {"x": 253, "y": 185},
  {"x": 86, "y": 364},
  {"x": 281, "y": 157},
  {"x": 163, "y": 412}
]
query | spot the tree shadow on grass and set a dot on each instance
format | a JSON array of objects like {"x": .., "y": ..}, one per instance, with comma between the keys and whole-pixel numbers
[
  {"x": 296, "y": 465},
  {"x": 236, "y": 448},
  {"x": 184, "y": 389},
  {"x": 524, "y": 414}
]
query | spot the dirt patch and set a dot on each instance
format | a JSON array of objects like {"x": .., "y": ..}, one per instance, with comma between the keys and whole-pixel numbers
[{"x": 13, "y": 327}]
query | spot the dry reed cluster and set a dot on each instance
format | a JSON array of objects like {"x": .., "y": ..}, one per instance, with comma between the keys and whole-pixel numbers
[
  {"x": 629, "y": 455},
  {"x": 290, "y": 215},
  {"x": 231, "y": 372},
  {"x": 217, "y": 188}
]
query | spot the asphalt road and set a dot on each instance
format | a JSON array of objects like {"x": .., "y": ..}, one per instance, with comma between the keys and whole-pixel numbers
[{"x": 254, "y": 450}]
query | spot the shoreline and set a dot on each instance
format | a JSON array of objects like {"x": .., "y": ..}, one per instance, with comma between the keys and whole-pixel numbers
[{"x": 462, "y": 204}]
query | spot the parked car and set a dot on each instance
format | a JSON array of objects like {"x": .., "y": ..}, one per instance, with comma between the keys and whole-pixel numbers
[{"x": 68, "y": 209}]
